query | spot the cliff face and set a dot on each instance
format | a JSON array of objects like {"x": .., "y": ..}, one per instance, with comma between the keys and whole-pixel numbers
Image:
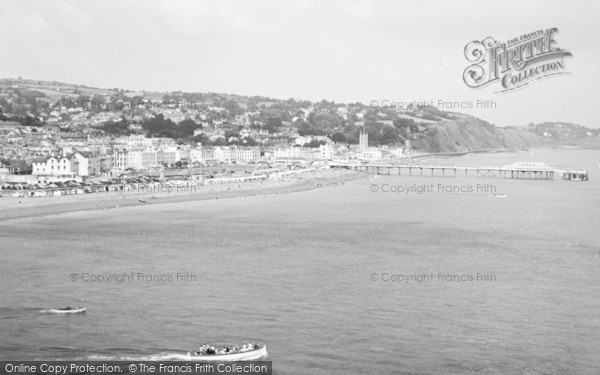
[{"x": 470, "y": 133}]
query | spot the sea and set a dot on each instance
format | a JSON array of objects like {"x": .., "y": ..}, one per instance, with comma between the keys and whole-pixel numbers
[{"x": 452, "y": 276}]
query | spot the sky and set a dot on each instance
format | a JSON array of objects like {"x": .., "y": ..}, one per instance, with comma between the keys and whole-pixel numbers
[{"x": 345, "y": 51}]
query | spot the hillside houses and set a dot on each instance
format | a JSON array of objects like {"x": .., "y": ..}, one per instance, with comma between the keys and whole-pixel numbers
[{"x": 100, "y": 132}]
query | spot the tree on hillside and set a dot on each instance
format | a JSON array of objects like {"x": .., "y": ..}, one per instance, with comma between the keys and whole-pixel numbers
[
  {"x": 187, "y": 127},
  {"x": 158, "y": 126},
  {"x": 273, "y": 124},
  {"x": 338, "y": 137},
  {"x": 233, "y": 108},
  {"x": 315, "y": 143},
  {"x": 249, "y": 141},
  {"x": 202, "y": 139},
  {"x": 116, "y": 128},
  {"x": 388, "y": 135}
]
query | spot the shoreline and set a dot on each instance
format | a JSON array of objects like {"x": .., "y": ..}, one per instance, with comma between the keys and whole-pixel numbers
[{"x": 32, "y": 207}]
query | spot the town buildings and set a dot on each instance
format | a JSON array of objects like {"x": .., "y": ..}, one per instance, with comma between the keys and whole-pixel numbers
[{"x": 71, "y": 138}]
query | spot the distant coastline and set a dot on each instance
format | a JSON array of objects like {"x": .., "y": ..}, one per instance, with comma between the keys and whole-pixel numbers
[
  {"x": 583, "y": 143},
  {"x": 461, "y": 153}
]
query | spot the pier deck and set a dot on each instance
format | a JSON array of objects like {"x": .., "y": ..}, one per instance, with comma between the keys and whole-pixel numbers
[{"x": 450, "y": 171}]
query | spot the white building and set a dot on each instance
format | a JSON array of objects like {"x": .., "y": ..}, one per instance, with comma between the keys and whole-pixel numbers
[
  {"x": 139, "y": 140},
  {"x": 196, "y": 155},
  {"x": 150, "y": 159},
  {"x": 245, "y": 155},
  {"x": 140, "y": 159},
  {"x": 134, "y": 159},
  {"x": 120, "y": 159},
  {"x": 85, "y": 164},
  {"x": 397, "y": 152},
  {"x": 166, "y": 157},
  {"x": 327, "y": 152},
  {"x": 301, "y": 141},
  {"x": 222, "y": 154},
  {"x": 234, "y": 154},
  {"x": 371, "y": 154},
  {"x": 53, "y": 169},
  {"x": 203, "y": 155},
  {"x": 51, "y": 165},
  {"x": 288, "y": 152}
]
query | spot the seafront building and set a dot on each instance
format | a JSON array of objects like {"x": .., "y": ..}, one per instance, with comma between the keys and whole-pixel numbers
[
  {"x": 327, "y": 152},
  {"x": 143, "y": 159},
  {"x": 364, "y": 151},
  {"x": 51, "y": 165},
  {"x": 287, "y": 152},
  {"x": 238, "y": 155},
  {"x": 51, "y": 169},
  {"x": 371, "y": 153},
  {"x": 140, "y": 140},
  {"x": 86, "y": 164},
  {"x": 203, "y": 155}
]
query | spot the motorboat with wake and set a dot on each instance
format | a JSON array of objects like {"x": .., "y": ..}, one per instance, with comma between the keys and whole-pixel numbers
[{"x": 245, "y": 353}]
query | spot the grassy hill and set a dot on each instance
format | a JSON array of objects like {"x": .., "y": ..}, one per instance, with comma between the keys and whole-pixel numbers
[{"x": 470, "y": 133}]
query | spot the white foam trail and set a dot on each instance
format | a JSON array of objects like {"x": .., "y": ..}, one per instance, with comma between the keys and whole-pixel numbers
[{"x": 150, "y": 357}]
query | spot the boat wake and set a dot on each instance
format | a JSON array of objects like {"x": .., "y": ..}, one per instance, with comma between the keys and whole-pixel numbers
[
  {"x": 141, "y": 357},
  {"x": 18, "y": 312},
  {"x": 70, "y": 310},
  {"x": 128, "y": 355}
]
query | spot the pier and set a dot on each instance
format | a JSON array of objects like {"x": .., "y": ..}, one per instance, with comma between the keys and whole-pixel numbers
[{"x": 451, "y": 171}]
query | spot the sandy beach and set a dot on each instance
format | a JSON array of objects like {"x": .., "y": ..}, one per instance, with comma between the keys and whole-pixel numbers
[{"x": 28, "y": 207}]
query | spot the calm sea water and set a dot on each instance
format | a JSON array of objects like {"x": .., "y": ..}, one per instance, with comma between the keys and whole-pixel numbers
[{"x": 295, "y": 271}]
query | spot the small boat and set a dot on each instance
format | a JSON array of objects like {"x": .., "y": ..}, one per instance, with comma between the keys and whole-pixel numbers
[
  {"x": 248, "y": 355},
  {"x": 141, "y": 200},
  {"x": 66, "y": 310}
]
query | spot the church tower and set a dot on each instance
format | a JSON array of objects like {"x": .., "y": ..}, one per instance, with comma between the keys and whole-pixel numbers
[{"x": 363, "y": 140}]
